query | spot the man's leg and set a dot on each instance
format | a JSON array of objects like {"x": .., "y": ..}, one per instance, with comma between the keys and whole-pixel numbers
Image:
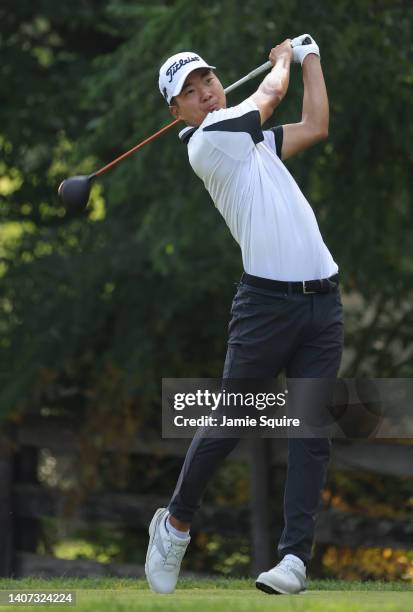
[
  {"x": 318, "y": 357},
  {"x": 264, "y": 328},
  {"x": 206, "y": 454}
]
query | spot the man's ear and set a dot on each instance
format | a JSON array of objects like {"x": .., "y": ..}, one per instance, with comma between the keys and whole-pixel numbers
[{"x": 174, "y": 110}]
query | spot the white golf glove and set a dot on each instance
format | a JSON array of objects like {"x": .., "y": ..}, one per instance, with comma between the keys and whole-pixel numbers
[{"x": 301, "y": 51}]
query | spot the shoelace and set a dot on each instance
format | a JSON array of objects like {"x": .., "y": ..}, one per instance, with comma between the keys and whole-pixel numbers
[
  {"x": 174, "y": 554},
  {"x": 286, "y": 565}
]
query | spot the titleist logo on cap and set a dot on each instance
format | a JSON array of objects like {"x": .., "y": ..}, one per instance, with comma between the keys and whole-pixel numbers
[{"x": 173, "y": 68}]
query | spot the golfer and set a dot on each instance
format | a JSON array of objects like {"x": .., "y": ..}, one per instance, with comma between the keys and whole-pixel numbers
[{"x": 287, "y": 312}]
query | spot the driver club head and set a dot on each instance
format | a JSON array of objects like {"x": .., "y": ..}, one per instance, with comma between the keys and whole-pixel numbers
[{"x": 74, "y": 192}]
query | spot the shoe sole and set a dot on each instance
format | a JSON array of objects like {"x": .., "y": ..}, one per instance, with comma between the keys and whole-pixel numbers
[
  {"x": 151, "y": 531},
  {"x": 272, "y": 591},
  {"x": 267, "y": 589}
]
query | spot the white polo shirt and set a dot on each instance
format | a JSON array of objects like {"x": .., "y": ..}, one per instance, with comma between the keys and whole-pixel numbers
[{"x": 260, "y": 201}]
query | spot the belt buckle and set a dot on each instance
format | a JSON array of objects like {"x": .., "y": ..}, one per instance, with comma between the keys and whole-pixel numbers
[{"x": 305, "y": 290}]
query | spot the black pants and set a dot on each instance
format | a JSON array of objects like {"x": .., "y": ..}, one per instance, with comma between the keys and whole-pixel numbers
[{"x": 270, "y": 331}]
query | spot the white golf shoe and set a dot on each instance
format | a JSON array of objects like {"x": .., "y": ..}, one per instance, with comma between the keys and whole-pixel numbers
[
  {"x": 164, "y": 556},
  {"x": 288, "y": 577}
]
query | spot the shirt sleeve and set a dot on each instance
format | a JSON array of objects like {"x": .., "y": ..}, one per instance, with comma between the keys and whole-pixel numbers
[
  {"x": 235, "y": 131},
  {"x": 274, "y": 139}
]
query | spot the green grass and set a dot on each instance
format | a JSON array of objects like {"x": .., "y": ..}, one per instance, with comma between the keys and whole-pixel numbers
[{"x": 220, "y": 595}]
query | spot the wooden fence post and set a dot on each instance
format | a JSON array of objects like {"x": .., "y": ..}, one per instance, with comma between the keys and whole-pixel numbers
[
  {"x": 6, "y": 500},
  {"x": 259, "y": 504},
  {"x": 27, "y": 532}
]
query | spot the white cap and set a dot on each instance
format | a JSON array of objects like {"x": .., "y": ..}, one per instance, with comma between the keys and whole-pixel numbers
[{"x": 174, "y": 71}]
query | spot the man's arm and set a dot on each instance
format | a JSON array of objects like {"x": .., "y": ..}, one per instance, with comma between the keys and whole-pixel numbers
[
  {"x": 313, "y": 126},
  {"x": 274, "y": 87}
]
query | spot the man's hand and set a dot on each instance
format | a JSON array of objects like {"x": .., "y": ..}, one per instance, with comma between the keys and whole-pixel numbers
[
  {"x": 283, "y": 50},
  {"x": 300, "y": 51}
]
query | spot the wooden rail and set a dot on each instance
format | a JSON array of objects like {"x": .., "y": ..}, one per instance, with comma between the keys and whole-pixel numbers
[{"x": 24, "y": 503}]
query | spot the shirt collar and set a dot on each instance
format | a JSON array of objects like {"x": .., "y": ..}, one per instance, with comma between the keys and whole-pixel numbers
[{"x": 185, "y": 134}]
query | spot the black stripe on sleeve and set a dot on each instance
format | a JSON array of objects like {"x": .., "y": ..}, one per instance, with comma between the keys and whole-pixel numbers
[
  {"x": 249, "y": 123},
  {"x": 278, "y": 136}
]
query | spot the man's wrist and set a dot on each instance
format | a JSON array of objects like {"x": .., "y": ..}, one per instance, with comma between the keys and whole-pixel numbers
[
  {"x": 285, "y": 55},
  {"x": 311, "y": 57}
]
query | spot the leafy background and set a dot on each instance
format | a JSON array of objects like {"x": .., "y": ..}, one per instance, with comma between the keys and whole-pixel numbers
[{"x": 97, "y": 307}]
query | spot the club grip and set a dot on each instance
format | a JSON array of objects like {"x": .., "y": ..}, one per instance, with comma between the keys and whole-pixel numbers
[{"x": 259, "y": 70}]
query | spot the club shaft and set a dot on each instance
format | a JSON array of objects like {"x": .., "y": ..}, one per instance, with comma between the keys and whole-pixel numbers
[
  {"x": 135, "y": 148},
  {"x": 249, "y": 76}
]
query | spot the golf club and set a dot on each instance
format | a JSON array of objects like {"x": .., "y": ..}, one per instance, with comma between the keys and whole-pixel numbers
[{"x": 75, "y": 191}]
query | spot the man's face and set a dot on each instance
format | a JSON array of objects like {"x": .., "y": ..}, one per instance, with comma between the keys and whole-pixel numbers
[{"x": 202, "y": 93}]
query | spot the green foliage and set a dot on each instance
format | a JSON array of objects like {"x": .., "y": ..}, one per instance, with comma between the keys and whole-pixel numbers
[{"x": 145, "y": 284}]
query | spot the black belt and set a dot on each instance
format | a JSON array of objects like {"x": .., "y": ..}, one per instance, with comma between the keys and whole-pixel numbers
[{"x": 324, "y": 285}]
